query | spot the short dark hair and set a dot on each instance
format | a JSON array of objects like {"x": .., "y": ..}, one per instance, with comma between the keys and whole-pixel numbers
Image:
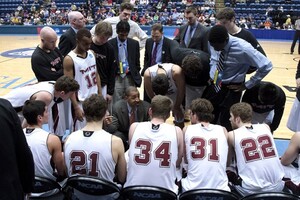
[
  {"x": 160, "y": 84},
  {"x": 122, "y": 27},
  {"x": 192, "y": 65},
  {"x": 242, "y": 110},
  {"x": 94, "y": 108},
  {"x": 83, "y": 32},
  {"x": 157, "y": 27},
  {"x": 203, "y": 109},
  {"x": 126, "y": 5},
  {"x": 268, "y": 93},
  {"x": 66, "y": 84},
  {"x": 32, "y": 109},
  {"x": 218, "y": 34},
  {"x": 191, "y": 9}
]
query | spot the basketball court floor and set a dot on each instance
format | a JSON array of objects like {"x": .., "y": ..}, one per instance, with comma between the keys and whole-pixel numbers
[{"x": 15, "y": 68}]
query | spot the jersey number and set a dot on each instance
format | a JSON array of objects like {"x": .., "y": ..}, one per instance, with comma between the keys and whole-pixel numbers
[
  {"x": 161, "y": 153},
  {"x": 91, "y": 80},
  {"x": 257, "y": 149},
  {"x": 79, "y": 163},
  {"x": 200, "y": 149}
]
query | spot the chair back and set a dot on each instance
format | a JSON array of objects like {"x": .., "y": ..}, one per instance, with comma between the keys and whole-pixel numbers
[
  {"x": 143, "y": 192},
  {"x": 271, "y": 196},
  {"x": 44, "y": 185},
  {"x": 208, "y": 194},
  {"x": 91, "y": 185},
  {"x": 45, "y": 188}
]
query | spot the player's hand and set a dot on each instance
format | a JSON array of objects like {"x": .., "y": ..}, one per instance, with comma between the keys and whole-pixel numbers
[
  {"x": 178, "y": 114},
  {"x": 79, "y": 114},
  {"x": 298, "y": 82}
]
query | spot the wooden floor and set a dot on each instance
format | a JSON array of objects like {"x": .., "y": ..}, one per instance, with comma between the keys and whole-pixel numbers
[{"x": 17, "y": 71}]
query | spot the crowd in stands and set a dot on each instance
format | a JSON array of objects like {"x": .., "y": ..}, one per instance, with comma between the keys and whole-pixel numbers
[{"x": 48, "y": 12}]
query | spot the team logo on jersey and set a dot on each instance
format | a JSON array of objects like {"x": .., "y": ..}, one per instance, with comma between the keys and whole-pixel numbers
[{"x": 18, "y": 53}]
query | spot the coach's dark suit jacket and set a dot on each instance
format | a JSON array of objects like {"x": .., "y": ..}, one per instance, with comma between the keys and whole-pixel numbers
[
  {"x": 166, "y": 57},
  {"x": 120, "y": 120},
  {"x": 67, "y": 42},
  {"x": 133, "y": 51},
  {"x": 198, "y": 41}
]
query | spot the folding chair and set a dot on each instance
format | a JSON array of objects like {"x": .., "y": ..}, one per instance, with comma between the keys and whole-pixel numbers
[
  {"x": 271, "y": 196},
  {"x": 208, "y": 194},
  {"x": 90, "y": 186},
  {"x": 143, "y": 192},
  {"x": 45, "y": 188}
]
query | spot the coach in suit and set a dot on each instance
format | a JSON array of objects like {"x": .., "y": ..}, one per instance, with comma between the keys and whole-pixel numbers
[
  {"x": 127, "y": 52},
  {"x": 157, "y": 50},
  {"x": 67, "y": 40},
  {"x": 192, "y": 35},
  {"x": 126, "y": 111}
]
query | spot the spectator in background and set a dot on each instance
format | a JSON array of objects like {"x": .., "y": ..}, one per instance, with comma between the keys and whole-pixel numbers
[
  {"x": 17, "y": 165},
  {"x": 296, "y": 36},
  {"x": 67, "y": 40},
  {"x": 46, "y": 60},
  {"x": 126, "y": 9}
]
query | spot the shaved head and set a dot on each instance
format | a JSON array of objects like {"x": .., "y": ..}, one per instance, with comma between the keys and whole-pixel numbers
[
  {"x": 76, "y": 20},
  {"x": 48, "y": 38}
]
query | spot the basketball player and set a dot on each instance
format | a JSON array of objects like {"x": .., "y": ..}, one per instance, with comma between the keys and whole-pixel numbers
[
  {"x": 257, "y": 160},
  {"x": 155, "y": 148},
  {"x": 80, "y": 64},
  {"x": 50, "y": 92},
  {"x": 45, "y": 147},
  {"x": 93, "y": 151},
  {"x": 206, "y": 148}
]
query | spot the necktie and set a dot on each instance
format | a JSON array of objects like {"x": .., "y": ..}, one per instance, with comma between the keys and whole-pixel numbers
[
  {"x": 132, "y": 116},
  {"x": 153, "y": 58},
  {"x": 123, "y": 65},
  {"x": 218, "y": 73},
  {"x": 188, "y": 36}
]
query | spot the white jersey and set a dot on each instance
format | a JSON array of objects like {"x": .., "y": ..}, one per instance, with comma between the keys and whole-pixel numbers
[
  {"x": 90, "y": 153},
  {"x": 258, "y": 162},
  {"x": 18, "y": 96},
  {"x": 206, "y": 153},
  {"x": 37, "y": 141},
  {"x": 85, "y": 74},
  {"x": 153, "y": 151},
  {"x": 172, "y": 91}
]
